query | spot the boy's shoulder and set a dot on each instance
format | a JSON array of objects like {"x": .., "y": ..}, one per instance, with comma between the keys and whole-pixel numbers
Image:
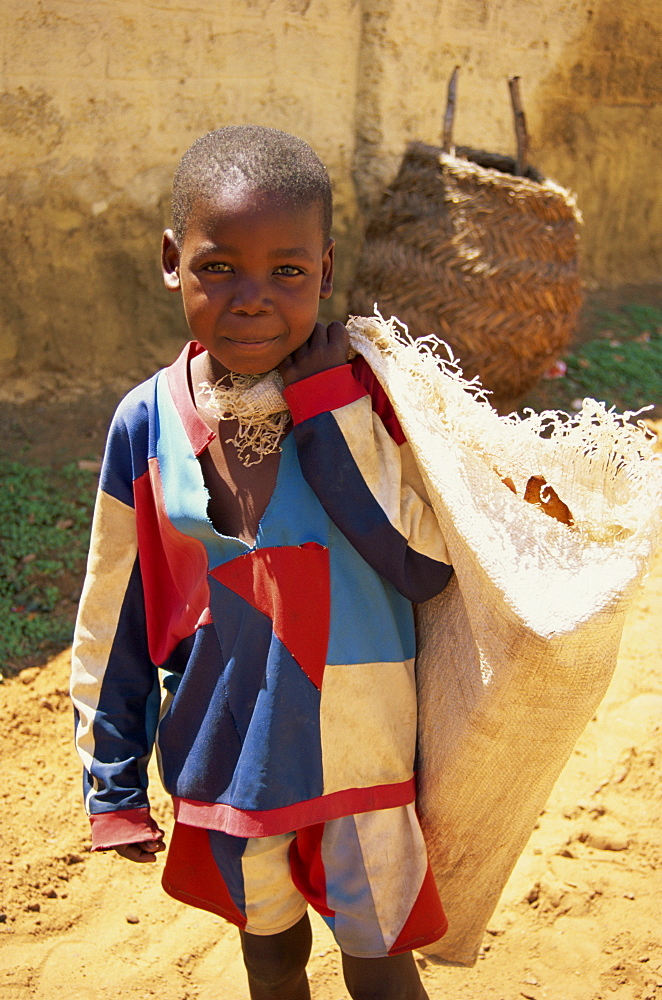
[
  {"x": 137, "y": 403},
  {"x": 130, "y": 440},
  {"x": 139, "y": 406}
]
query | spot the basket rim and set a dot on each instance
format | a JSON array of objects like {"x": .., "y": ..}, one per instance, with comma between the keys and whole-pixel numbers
[{"x": 500, "y": 162}]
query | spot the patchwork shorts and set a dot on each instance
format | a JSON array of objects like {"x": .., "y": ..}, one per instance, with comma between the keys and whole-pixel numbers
[{"x": 368, "y": 876}]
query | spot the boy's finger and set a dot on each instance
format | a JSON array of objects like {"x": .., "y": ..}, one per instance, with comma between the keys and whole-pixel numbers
[
  {"x": 337, "y": 333},
  {"x": 318, "y": 337},
  {"x": 134, "y": 852},
  {"x": 153, "y": 845},
  {"x": 336, "y": 328}
]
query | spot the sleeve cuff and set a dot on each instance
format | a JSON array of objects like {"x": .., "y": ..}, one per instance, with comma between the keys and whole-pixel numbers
[
  {"x": 125, "y": 826},
  {"x": 327, "y": 390}
]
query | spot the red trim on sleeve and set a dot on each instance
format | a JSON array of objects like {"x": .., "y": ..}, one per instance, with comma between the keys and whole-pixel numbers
[
  {"x": 381, "y": 404},
  {"x": 124, "y": 826},
  {"x": 327, "y": 390}
]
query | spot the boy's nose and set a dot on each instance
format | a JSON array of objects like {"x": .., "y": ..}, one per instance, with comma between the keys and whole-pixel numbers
[{"x": 251, "y": 299}]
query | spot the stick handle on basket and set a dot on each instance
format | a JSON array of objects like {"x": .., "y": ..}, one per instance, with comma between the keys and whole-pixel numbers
[
  {"x": 521, "y": 135},
  {"x": 449, "y": 115}
]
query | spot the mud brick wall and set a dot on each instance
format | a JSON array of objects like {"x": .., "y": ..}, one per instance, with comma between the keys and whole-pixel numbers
[{"x": 98, "y": 100}]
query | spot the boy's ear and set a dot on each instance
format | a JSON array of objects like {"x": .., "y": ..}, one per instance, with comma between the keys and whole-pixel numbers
[
  {"x": 327, "y": 270},
  {"x": 170, "y": 261}
]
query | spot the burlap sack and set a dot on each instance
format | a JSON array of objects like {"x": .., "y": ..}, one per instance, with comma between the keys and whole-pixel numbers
[{"x": 517, "y": 652}]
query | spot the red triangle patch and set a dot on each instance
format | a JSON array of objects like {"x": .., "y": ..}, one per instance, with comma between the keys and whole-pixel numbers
[
  {"x": 427, "y": 921},
  {"x": 191, "y": 874},
  {"x": 291, "y": 586}
]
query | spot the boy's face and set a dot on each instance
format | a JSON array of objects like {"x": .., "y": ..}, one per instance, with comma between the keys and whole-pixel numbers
[{"x": 251, "y": 272}]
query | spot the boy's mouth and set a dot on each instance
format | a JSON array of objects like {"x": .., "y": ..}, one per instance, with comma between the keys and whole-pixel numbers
[{"x": 251, "y": 344}]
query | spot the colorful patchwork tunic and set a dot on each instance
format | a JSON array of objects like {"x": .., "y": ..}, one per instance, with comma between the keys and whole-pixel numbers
[{"x": 287, "y": 665}]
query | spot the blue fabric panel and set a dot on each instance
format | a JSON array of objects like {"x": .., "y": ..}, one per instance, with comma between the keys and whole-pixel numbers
[
  {"x": 371, "y": 622},
  {"x": 348, "y": 892},
  {"x": 275, "y": 708},
  {"x": 243, "y": 727},
  {"x": 281, "y": 759},
  {"x": 294, "y": 514},
  {"x": 186, "y": 496},
  {"x": 326, "y": 459},
  {"x": 202, "y": 739},
  {"x": 246, "y": 639},
  {"x": 228, "y": 852},
  {"x": 123, "y": 727}
]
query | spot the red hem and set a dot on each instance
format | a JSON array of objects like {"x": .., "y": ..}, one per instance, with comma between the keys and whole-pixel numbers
[
  {"x": 268, "y": 823},
  {"x": 420, "y": 942},
  {"x": 201, "y": 904},
  {"x": 327, "y": 390},
  {"x": 428, "y": 907}
]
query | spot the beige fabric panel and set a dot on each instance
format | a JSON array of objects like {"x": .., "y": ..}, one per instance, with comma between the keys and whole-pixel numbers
[
  {"x": 377, "y": 703},
  {"x": 113, "y": 548}
]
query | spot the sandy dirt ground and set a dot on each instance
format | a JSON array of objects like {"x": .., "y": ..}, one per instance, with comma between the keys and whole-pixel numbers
[{"x": 580, "y": 919}]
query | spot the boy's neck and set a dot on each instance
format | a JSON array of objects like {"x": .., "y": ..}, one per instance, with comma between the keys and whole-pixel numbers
[
  {"x": 205, "y": 368},
  {"x": 238, "y": 496}
]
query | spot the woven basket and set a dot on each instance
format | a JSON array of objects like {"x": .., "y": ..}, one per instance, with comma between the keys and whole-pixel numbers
[{"x": 462, "y": 248}]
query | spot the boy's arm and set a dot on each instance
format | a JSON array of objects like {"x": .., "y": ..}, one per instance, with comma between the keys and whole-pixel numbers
[
  {"x": 114, "y": 684},
  {"x": 355, "y": 457}
]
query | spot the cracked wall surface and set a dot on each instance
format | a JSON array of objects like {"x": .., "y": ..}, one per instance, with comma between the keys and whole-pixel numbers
[{"x": 98, "y": 100}]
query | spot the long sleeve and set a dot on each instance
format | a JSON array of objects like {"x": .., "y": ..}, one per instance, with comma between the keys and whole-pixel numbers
[
  {"x": 114, "y": 683},
  {"x": 356, "y": 459}
]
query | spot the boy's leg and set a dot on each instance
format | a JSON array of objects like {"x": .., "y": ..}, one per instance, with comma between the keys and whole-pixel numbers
[
  {"x": 276, "y": 963},
  {"x": 392, "y": 978}
]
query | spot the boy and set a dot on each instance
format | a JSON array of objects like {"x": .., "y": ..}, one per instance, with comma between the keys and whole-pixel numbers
[{"x": 267, "y": 565}]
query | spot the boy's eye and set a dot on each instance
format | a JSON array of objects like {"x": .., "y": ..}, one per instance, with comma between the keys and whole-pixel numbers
[
  {"x": 288, "y": 269},
  {"x": 217, "y": 267}
]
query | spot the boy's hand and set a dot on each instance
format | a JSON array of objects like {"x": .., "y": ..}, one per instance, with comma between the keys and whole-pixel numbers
[
  {"x": 327, "y": 347},
  {"x": 143, "y": 852}
]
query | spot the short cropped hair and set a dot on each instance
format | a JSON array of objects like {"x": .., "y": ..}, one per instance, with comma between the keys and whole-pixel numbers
[{"x": 267, "y": 159}]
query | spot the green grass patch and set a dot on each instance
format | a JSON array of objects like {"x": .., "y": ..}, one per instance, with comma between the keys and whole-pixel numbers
[
  {"x": 620, "y": 365},
  {"x": 623, "y": 366},
  {"x": 45, "y": 516}
]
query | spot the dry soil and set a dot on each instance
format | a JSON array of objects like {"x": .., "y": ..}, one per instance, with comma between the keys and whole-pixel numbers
[{"x": 580, "y": 918}]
